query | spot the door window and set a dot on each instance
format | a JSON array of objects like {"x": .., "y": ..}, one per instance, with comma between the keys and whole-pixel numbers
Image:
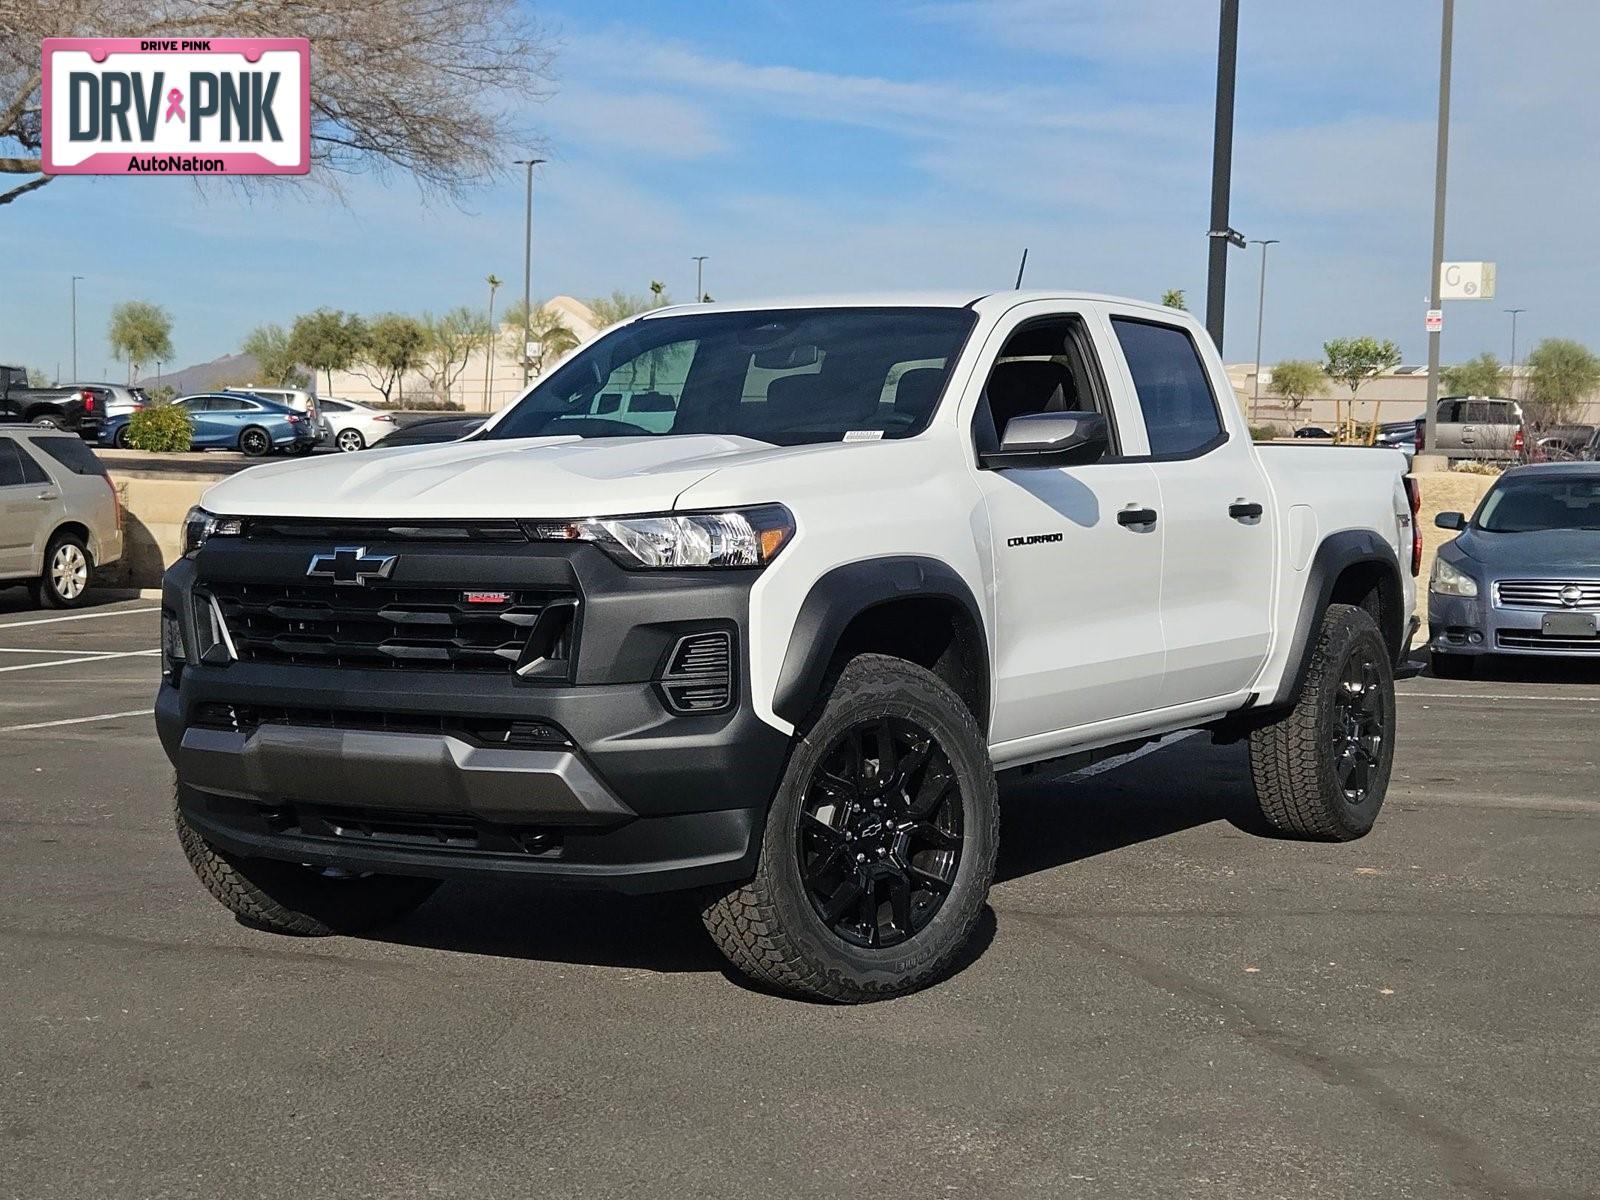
[
  {"x": 10, "y": 464},
  {"x": 32, "y": 472},
  {"x": 1045, "y": 366},
  {"x": 1169, "y": 379}
]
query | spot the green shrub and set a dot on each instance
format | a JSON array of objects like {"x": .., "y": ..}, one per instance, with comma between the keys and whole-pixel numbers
[
  {"x": 1265, "y": 433},
  {"x": 162, "y": 428}
]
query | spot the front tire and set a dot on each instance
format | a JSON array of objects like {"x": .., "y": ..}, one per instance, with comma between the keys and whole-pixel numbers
[
  {"x": 879, "y": 848},
  {"x": 350, "y": 440},
  {"x": 67, "y": 571},
  {"x": 288, "y": 898},
  {"x": 1321, "y": 771},
  {"x": 254, "y": 442}
]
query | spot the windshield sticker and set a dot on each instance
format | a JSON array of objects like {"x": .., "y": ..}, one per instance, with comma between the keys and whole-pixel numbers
[{"x": 864, "y": 435}]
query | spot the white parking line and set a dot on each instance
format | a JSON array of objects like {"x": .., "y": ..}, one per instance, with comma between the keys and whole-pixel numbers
[
  {"x": 132, "y": 712},
  {"x": 1548, "y": 697},
  {"x": 82, "y": 658},
  {"x": 121, "y": 612},
  {"x": 45, "y": 650}
]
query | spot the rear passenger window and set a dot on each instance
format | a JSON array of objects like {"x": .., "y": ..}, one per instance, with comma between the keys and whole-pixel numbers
[
  {"x": 1180, "y": 412},
  {"x": 10, "y": 464},
  {"x": 72, "y": 454}
]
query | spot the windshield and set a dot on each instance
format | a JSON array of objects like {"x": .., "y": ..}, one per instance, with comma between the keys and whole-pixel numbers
[
  {"x": 1531, "y": 505},
  {"x": 787, "y": 376}
]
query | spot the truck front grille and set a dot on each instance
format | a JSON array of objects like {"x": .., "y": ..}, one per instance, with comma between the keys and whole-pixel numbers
[{"x": 391, "y": 627}]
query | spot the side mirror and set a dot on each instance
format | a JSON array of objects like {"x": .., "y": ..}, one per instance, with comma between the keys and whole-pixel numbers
[
  {"x": 1450, "y": 520},
  {"x": 1058, "y": 439}
]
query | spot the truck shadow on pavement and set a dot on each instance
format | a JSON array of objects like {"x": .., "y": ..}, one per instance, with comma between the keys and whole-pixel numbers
[
  {"x": 1046, "y": 822},
  {"x": 1053, "y": 821}
]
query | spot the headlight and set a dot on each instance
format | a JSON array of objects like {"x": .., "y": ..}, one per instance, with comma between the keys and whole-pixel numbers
[
  {"x": 739, "y": 537},
  {"x": 200, "y": 525},
  {"x": 1447, "y": 580}
]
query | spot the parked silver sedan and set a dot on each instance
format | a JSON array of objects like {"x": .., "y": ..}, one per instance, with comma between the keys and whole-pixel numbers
[
  {"x": 60, "y": 516},
  {"x": 1523, "y": 576}
]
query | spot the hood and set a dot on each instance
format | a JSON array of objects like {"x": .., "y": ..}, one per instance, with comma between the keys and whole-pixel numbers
[
  {"x": 520, "y": 477},
  {"x": 1549, "y": 551}
]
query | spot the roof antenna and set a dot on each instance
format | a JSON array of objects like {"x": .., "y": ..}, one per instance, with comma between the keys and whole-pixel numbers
[{"x": 1021, "y": 267}]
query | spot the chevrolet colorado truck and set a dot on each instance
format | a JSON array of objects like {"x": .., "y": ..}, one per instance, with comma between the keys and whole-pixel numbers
[{"x": 757, "y": 600}]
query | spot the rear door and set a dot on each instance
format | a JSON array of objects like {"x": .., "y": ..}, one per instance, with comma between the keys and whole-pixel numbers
[
  {"x": 30, "y": 503},
  {"x": 1215, "y": 511}
]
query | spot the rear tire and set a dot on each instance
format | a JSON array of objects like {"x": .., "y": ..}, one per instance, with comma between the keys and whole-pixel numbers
[
  {"x": 288, "y": 898},
  {"x": 120, "y": 438},
  {"x": 879, "y": 848},
  {"x": 68, "y": 571},
  {"x": 48, "y": 421},
  {"x": 350, "y": 440},
  {"x": 254, "y": 442},
  {"x": 1321, "y": 771},
  {"x": 1453, "y": 666}
]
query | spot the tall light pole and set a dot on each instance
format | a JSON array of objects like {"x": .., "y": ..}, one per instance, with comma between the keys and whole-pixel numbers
[
  {"x": 1514, "y": 312},
  {"x": 699, "y": 277},
  {"x": 1261, "y": 310},
  {"x": 75, "y": 279},
  {"x": 1222, "y": 234},
  {"x": 493, "y": 281},
  {"x": 527, "y": 267},
  {"x": 1430, "y": 415}
]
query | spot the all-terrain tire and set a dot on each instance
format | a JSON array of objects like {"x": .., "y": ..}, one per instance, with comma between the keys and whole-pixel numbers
[
  {"x": 768, "y": 927},
  {"x": 288, "y": 898},
  {"x": 1295, "y": 763}
]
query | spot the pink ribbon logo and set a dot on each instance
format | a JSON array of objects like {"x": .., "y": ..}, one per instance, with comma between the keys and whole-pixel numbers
[{"x": 175, "y": 106}]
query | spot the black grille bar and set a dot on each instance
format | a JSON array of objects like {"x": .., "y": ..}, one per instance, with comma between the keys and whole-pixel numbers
[{"x": 391, "y": 627}]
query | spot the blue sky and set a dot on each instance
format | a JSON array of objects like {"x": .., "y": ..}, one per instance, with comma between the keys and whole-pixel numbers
[{"x": 824, "y": 146}]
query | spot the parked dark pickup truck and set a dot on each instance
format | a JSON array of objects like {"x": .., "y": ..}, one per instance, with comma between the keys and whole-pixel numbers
[{"x": 71, "y": 408}]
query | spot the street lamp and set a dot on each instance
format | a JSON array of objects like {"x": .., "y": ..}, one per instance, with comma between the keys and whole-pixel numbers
[
  {"x": 1261, "y": 309},
  {"x": 75, "y": 279},
  {"x": 1514, "y": 312},
  {"x": 699, "y": 277},
  {"x": 527, "y": 266},
  {"x": 1222, "y": 234},
  {"x": 1430, "y": 415}
]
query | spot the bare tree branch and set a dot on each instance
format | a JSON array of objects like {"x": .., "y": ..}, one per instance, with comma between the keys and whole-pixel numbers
[{"x": 23, "y": 189}]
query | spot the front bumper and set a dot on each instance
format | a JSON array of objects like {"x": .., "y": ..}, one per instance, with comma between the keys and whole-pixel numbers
[
  {"x": 1476, "y": 625},
  {"x": 390, "y": 771}
]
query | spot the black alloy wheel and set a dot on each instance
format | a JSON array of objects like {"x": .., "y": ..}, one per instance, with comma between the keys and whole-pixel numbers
[
  {"x": 1360, "y": 719},
  {"x": 880, "y": 832}
]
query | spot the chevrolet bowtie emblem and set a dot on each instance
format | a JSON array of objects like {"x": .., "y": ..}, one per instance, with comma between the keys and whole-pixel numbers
[{"x": 350, "y": 565}]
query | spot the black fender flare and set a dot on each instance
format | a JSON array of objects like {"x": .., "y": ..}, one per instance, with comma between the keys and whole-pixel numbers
[
  {"x": 844, "y": 593},
  {"x": 1336, "y": 553}
]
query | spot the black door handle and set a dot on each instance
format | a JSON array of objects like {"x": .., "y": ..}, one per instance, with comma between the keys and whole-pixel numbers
[
  {"x": 1243, "y": 512},
  {"x": 1137, "y": 516}
]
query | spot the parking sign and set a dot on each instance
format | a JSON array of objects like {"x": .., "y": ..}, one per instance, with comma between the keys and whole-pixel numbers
[{"x": 177, "y": 106}]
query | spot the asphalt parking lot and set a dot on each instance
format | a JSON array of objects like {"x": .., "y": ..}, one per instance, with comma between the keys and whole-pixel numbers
[{"x": 1165, "y": 1003}]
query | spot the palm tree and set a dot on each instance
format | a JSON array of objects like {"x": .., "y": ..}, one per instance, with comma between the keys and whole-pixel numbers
[{"x": 493, "y": 281}]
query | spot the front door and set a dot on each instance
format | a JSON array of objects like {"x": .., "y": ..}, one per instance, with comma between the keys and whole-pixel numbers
[{"x": 1077, "y": 638}]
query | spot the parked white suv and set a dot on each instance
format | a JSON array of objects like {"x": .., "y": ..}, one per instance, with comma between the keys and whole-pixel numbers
[{"x": 777, "y": 647}]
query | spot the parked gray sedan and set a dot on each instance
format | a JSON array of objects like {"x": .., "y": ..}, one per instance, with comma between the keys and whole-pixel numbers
[
  {"x": 1523, "y": 577},
  {"x": 60, "y": 516}
]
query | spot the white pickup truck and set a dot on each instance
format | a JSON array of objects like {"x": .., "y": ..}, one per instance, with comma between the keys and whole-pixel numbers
[{"x": 757, "y": 600}]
